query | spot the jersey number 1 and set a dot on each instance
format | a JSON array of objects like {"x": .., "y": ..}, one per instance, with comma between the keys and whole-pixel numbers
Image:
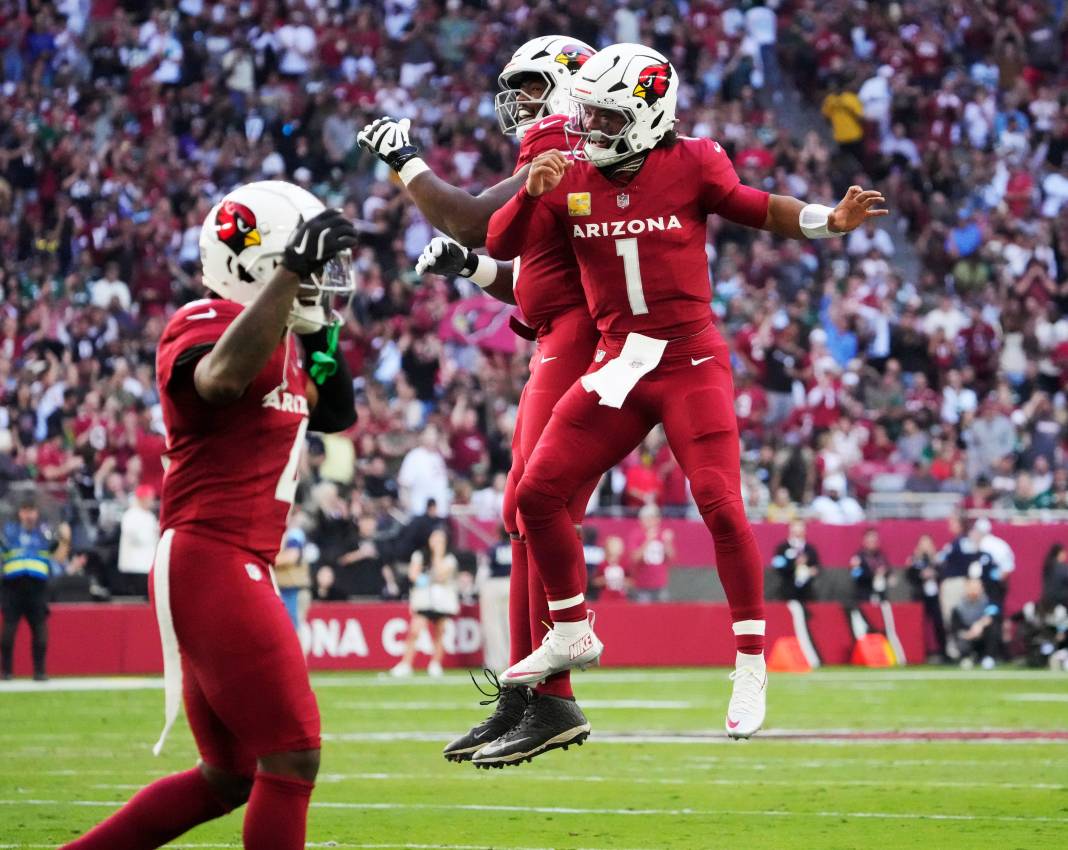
[
  {"x": 287, "y": 481},
  {"x": 628, "y": 250}
]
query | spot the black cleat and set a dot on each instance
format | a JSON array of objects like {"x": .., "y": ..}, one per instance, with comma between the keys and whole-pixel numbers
[
  {"x": 549, "y": 723},
  {"x": 511, "y": 703}
]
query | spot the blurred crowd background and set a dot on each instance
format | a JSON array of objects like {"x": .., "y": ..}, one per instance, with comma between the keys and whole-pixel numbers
[{"x": 916, "y": 368}]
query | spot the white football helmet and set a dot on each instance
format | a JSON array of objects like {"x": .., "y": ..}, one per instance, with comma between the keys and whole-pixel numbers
[
  {"x": 633, "y": 80},
  {"x": 242, "y": 242},
  {"x": 554, "y": 58}
]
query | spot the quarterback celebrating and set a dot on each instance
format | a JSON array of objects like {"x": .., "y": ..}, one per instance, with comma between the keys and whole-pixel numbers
[
  {"x": 236, "y": 405},
  {"x": 535, "y": 85},
  {"x": 633, "y": 203}
]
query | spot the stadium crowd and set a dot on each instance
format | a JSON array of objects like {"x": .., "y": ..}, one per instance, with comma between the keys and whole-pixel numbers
[{"x": 930, "y": 356}]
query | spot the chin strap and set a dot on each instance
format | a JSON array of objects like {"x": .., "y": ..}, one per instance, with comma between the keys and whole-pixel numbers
[{"x": 324, "y": 363}]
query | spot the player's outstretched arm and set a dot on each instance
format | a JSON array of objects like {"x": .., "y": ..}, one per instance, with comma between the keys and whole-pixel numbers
[
  {"x": 794, "y": 219},
  {"x": 224, "y": 373},
  {"x": 455, "y": 212},
  {"x": 523, "y": 221},
  {"x": 446, "y": 257}
]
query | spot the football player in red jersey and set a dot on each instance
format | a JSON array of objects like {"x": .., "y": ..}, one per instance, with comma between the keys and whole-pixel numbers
[
  {"x": 236, "y": 405},
  {"x": 634, "y": 203},
  {"x": 532, "y": 105}
]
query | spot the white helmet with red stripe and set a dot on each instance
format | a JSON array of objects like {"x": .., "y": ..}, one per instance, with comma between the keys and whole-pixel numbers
[
  {"x": 633, "y": 80},
  {"x": 553, "y": 58},
  {"x": 244, "y": 237}
]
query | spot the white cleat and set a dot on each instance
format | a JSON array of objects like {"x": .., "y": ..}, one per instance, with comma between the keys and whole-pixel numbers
[
  {"x": 433, "y": 669},
  {"x": 566, "y": 646},
  {"x": 745, "y": 713},
  {"x": 401, "y": 670}
]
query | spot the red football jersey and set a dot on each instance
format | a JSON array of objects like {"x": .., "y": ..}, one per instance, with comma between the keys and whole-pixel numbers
[
  {"x": 640, "y": 247},
  {"x": 548, "y": 281},
  {"x": 231, "y": 469}
]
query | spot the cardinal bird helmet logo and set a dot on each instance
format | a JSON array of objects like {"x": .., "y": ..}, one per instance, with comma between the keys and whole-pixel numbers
[
  {"x": 653, "y": 82},
  {"x": 573, "y": 56},
  {"x": 235, "y": 225}
]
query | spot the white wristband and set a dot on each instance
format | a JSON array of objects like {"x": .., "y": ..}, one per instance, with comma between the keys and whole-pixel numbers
[
  {"x": 813, "y": 221},
  {"x": 412, "y": 169},
  {"x": 485, "y": 272}
]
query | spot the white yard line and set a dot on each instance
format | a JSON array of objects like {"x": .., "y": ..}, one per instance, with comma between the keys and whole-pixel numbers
[
  {"x": 458, "y": 678},
  {"x": 584, "y": 811}
]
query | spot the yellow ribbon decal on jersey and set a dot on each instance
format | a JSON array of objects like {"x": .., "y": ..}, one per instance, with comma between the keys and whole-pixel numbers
[{"x": 578, "y": 203}]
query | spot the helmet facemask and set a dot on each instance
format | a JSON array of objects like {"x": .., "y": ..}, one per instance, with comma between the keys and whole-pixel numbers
[
  {"x": 322, "y": 297},
  {"x": 516, "y": 110},
  {"x": 596, "y": 145}
]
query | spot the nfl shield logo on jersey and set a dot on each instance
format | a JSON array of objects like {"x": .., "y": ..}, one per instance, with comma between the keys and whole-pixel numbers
[{"x": 622, "y": 200}]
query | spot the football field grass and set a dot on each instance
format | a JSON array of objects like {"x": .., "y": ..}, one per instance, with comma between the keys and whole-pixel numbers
[{"x": 880, "y": 760}]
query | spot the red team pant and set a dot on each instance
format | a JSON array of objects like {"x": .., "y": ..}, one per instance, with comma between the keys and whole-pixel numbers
[
  {"x": 563, "y": 355},
  {"x": 692, "y": 394},
  {"x": 244, "y": 679}
]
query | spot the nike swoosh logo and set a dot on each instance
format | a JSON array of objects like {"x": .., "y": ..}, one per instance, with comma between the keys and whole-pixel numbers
[
  {"x": 544, "y": 125},
  {"x": 547, "y": 359},
  {"x": 303, "y": 244},
  {"x": 732, "y": 724},
  {"x": 694, "y": 361},
  {"x": 210, "y": 314}
]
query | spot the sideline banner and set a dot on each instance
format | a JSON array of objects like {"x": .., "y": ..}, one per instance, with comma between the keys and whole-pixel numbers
[{"x": 122, "y": 639}]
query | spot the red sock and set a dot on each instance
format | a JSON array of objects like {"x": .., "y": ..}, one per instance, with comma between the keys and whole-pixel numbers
[
  {"x": 277, "y": 813},
  {"x": 554, "y": 552},
  {"x": 156, "y": 814},
  {"x": 741, "y": 572},
  {"x": 519, "y": 625},
  {"x": 559, "y": 684}
]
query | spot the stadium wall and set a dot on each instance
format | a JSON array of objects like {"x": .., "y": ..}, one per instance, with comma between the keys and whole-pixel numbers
[
  {"x": 838, "y": 543},
  {"x": 120, "y": 639}
]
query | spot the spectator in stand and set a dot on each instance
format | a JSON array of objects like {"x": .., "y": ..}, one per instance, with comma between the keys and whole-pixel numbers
[
  {"x": 781, "y": 509},
  {"x": 835, "y": 506},
  {"x": 976, "y": 625},
  {"x": 612, "y": 578},
  {"x": 797, "y": 563},
  {"x": 923, "y": 576},
  {"x": 843, "y": 109},
  {"x": 138, "y": 536},
  {"x": 870, "y": 569},
  {"x": 325, "y": 588},
  {"x": 423, "y": 475},
  {"x": 652, "y": 553}
]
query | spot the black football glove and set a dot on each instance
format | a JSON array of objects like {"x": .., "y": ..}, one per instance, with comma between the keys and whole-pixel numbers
[
  {"x": 317, "y": 241},
  {"x": 389, "y": 141},
  {"x": 445, "y": 257}
]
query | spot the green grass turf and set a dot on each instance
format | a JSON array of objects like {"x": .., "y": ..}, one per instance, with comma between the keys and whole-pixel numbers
[{"x": 64, "y": 749}]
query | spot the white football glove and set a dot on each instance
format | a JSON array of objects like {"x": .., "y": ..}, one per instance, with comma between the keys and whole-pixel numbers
[
  {"x": 389, "y": 140},
  {"x": 446, "y": 257}
]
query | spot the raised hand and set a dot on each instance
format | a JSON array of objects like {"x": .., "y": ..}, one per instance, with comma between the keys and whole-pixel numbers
[
  {"x": 855, "y": 209},
  {"x": 546, "y": 172},
  {"x": 389, "y": 140},
  {"x": 316, "y": 241}
]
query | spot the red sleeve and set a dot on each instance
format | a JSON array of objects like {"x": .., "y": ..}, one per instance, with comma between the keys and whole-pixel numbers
[
  {"x": 546, "y": 135},
  {"x": 718, "y": 177},
  {"x": 745, "y": 205},
  {"x": 195, "y": 324},
  {"x": 520, "y": 223}
]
